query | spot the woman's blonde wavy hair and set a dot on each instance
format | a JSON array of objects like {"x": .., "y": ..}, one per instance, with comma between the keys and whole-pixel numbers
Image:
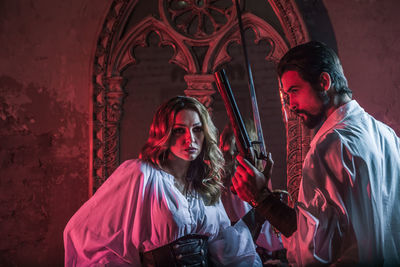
[{"x": 205, "y": 172}]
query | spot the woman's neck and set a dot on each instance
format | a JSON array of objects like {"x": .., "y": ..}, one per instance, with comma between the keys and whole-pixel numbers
[{"x": 177, "y": 167}]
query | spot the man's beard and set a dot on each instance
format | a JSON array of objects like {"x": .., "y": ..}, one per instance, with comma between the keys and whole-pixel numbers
[{"x": 311, "y": 121}]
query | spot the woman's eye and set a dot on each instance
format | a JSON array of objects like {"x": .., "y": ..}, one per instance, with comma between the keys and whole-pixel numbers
[
  {"x": 197, "y": 129},
  {"x": 178, "y": 131}
]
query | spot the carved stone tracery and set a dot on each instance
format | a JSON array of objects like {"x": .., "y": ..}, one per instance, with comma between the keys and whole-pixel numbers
[
  {"x": 197, "y": 19},
  {"x": 115, "y": 52}
]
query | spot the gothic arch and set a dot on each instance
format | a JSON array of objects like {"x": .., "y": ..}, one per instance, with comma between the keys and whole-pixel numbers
[{"x": 114, "y": 52}]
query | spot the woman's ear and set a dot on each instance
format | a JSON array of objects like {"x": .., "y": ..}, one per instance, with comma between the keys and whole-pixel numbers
[{"x": 325, "y": 81}]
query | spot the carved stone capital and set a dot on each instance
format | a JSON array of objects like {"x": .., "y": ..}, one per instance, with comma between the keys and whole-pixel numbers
[
  {"x": 114, "y": 99},
  {"x": 201, "y": 87}
]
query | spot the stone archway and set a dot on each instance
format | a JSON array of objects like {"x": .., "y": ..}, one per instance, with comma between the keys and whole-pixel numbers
[{"x": 114, "y": 53}]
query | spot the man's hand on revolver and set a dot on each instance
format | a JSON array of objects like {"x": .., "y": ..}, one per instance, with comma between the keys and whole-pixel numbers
[{"x": 248, "y": 181}]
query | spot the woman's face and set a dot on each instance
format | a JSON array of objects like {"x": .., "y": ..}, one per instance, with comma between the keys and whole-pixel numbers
[{"x": 187, "y": 135}]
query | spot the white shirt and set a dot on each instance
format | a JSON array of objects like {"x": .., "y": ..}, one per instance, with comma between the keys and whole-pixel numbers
[
  {"x": 139, "y": 209},
  {"x": 349, "y": 197}
]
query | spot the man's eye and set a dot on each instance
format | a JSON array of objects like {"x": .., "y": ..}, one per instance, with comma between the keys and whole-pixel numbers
[
  {"x": 178, "y": 131},
  {"x": 197, "y": 129}
]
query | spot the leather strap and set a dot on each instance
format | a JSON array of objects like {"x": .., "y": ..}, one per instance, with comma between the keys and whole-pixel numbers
[
  {"x": 254, "y": 222},
  {"x": 279, "y": 215}
]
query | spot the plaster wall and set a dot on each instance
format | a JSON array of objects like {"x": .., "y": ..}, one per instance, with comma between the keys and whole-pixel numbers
[
  {"x": 45, "y": 72},
  {"x": 46, "y": 53},
  {"x": 368, "y": 40}
]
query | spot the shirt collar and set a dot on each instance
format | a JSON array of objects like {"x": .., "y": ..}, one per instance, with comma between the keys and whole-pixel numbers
[{"x": 337, "y": 116}]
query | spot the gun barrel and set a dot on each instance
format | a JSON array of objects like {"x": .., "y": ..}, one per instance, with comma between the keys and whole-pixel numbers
[{"x": 243, "y": 141}]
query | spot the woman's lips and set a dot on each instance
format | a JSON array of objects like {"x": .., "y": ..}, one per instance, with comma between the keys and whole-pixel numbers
[{"x": 191, "y": 150}]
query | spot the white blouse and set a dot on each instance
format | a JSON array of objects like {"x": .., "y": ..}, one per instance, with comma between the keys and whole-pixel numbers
[{"x": 138, "y": 209}]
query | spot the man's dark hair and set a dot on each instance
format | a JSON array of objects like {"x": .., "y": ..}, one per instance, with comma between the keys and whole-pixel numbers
[{"x": 310, "y": 60}]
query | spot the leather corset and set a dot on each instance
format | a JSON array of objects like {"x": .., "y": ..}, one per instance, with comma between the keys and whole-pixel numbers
[{"x": 189, "y": 250}]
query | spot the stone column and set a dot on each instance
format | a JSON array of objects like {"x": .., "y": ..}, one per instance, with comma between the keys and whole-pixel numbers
[{"x": 114, "y": 99}]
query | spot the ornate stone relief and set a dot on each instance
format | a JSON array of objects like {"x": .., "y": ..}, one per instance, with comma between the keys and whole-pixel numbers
[
  {"x": 184, "y": 25},
  {"x": 291, "y": 22}
]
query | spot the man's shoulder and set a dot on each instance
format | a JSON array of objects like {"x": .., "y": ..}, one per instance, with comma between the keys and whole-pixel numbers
[
  {"x": 360, "y": 135},
  {"x": 328, "y": 141}
]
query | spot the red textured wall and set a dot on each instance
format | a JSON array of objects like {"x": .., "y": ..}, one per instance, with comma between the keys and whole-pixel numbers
[
  {"x": 45, "y": 59},
  {"x": 368, "y": 39},
  {"x": 46, "y": 52}
]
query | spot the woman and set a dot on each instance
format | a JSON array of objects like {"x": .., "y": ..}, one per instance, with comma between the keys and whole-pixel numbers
[{"x": 163, "y": 209}]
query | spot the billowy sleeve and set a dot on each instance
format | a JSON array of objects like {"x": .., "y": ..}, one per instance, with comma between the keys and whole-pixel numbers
[
  {"x": 330, "y": 188},
  {"x": 236, "y": 208},
  {"x": 234, "y": 245},
  {"x": 268, "y": 238},
  {"x": 100, "y": 232}
]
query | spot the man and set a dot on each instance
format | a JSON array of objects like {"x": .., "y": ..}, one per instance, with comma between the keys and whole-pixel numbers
[{"x": 347, "y": 209}]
